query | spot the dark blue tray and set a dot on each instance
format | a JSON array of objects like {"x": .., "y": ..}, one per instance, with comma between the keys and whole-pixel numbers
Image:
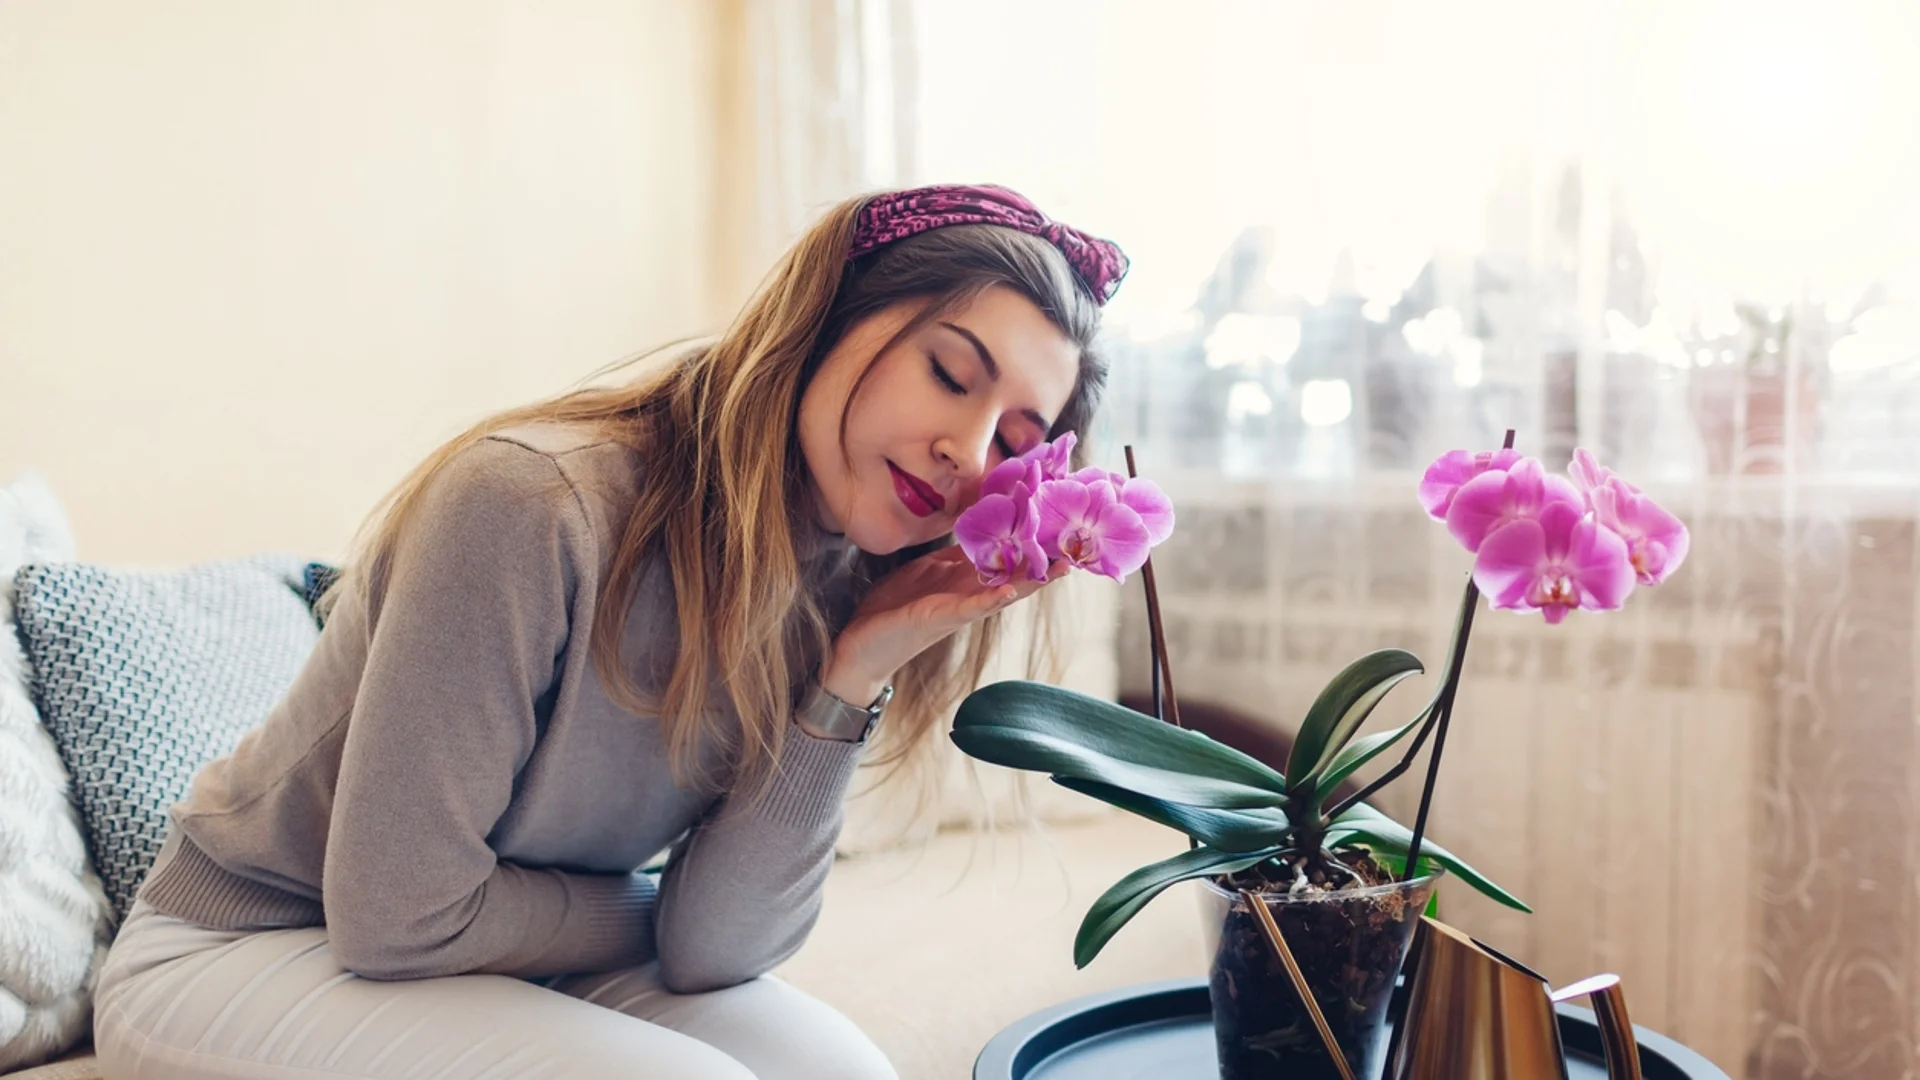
[{"x": 1164, "y": 1031}]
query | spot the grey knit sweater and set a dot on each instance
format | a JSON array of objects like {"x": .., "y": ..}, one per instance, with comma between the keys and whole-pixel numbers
[{"x": 447, "y": 787}]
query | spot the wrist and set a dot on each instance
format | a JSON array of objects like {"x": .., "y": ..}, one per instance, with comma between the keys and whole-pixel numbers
[
  {"x": 851, "y": 685},
  {"x": 824, "y": 714}
]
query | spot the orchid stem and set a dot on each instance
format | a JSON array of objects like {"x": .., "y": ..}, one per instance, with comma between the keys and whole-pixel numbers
[
  {"x": 1165, "y": 705},
  {"x": 1457, "y": 662}
]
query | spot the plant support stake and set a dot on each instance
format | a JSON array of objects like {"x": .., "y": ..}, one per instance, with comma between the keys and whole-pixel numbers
[{"x": 1299, "y": 980}]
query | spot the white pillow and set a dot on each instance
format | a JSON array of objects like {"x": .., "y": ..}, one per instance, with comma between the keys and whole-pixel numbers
[{"x": 55, "y": 921}]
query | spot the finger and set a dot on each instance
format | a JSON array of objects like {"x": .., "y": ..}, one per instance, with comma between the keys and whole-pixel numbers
[
  {"x": 1058, "y": 569},
  {"x": 991, "y": 600}
]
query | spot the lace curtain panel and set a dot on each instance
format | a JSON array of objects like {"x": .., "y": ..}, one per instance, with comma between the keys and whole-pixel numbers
[{"x": 1678, "y": 234}]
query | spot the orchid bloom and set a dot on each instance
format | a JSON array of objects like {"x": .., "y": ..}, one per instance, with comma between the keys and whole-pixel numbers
[
  {"x": 1657, "y": 542},
  {"x": 1494, "y": 499},
  {"x": 1054, "y": 458},
  {"x": 1143, "y": 495},
  {"x": 1554, "y": 563},
  {"x": 1031, "y": 511},
  {"x": 1454, "y": 468},
  {"x": 1088, "y": 525},
  {"x": 1000, "y": 535},
  {"x": 1010, "y": 474}
]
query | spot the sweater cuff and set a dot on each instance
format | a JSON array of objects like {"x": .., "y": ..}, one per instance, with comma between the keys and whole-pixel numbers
[
  {"x": 608, "y": 925},
  {"x": 810, "y": 781}
]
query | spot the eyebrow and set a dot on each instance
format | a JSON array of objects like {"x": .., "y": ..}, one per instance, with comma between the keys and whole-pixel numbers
[{"x": 993, "y": 369}]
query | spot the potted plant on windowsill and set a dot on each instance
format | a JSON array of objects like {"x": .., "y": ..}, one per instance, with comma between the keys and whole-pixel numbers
[{"x": 1314, "y": 901}]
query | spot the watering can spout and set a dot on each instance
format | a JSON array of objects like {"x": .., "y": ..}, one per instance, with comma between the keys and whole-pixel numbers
[
  {"x": 1475, "y": 1014},
  {"x": 1616, "y": 1030}
]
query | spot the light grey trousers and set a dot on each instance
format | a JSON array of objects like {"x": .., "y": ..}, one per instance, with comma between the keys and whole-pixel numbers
[{"x": 180, "y": 1002}]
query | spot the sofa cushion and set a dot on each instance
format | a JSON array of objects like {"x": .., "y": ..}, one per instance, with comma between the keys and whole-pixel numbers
[
  {"x": 55, "y": 922},
  {"x": 144, "y": 676}
]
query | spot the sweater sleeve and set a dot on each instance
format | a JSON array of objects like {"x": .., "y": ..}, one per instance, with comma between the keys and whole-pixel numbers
[
  {"x": 465, "y": 629},
  {"x": 742, "y": 890}
]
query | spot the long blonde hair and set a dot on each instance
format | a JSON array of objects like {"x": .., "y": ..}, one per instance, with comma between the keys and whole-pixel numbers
[{"x": 726, "y": 486}]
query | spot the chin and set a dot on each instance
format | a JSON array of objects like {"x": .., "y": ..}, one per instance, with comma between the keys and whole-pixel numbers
[
  {"x": 879, "y": 541},
  {"x": 885, "y": 538}
]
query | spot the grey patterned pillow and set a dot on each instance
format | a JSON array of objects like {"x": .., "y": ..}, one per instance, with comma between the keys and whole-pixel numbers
[{"x": 144, "y": 676}]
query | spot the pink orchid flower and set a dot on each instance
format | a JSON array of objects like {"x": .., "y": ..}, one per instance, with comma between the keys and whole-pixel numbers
[
  {"x": 1454, "y": 468},
  {"x": 1554, "y": 563},
  {"x": 1587, "y": 471},
  {"x": 1010, "y": 474},
  {"x": 1000, "y": 535},
  {"x": 1047, "y": 461},
  {"x": 1494, "y": 499},
  {"x": 1657, "y": 542},
  {"x": 1143, "y": 495},
  {"x": 1090, "y": 527},
  {"x": 1054, "y": 458}
]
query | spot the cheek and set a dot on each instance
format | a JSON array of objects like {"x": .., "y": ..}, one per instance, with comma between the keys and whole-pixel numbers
[{"x": 884, "y": 413}]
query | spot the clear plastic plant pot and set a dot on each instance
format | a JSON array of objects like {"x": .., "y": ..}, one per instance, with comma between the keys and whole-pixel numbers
[{"x": 1349, "y": 945}]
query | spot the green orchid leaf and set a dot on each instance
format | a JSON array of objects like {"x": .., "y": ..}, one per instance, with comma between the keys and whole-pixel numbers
[
  {"x": 1342, "y": 707},
  {"x": 1364, "y": 825},
  {"x": 1030, "y": 725},
  {"x": 1397, "y": 866},
  {"x": 1131, "y": 893},
  {"x": 1362, "y": 750},
  {"x": 1021, "y": 749},
  {"x": 1224, "y": 830}
]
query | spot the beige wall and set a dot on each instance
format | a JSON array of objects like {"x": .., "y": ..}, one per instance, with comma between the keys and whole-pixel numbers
[{"x": 257, "y": 257}]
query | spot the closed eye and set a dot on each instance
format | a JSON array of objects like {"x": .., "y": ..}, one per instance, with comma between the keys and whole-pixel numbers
[{"x": 953, "y": 387}]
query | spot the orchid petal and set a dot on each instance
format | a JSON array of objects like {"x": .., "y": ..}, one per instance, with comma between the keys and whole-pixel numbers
[
  {"x": 992, "y": 518},
  {"x": 1062, "y": 505},
  {"x": 999, "y": 536},
  {"x": 1510, "y": 560},
  {"x": 1008, "y": 473},
  {"x": 1558, "y": 561},
  {"x": 1094, "y": 474},
  {"x": 1053, "y": 458},
  {"x": 1477, "y": 509},
  {"x": 1599, "y": 564},
  {"x": 1657, "y": 542},
  {"x": 1454, "y": 468},
  {"x": 1586, "y": 471},
  {"x": 1492, "y": 499},
  {"x": 1145, "y": 498},
  {"x": 1121, "y": 542}
]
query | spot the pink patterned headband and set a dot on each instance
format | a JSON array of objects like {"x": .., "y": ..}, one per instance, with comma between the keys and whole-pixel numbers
[{"x": 894, "y": 215}]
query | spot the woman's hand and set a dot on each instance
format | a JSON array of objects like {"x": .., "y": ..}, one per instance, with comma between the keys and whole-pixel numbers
[{"x": 911, "y": 608}]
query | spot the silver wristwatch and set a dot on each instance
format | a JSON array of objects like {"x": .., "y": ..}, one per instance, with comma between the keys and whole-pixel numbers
[{"x": 825, "y": 716}]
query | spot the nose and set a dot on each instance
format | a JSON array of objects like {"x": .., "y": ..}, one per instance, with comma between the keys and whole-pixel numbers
[{"x": 965, "y": 451}]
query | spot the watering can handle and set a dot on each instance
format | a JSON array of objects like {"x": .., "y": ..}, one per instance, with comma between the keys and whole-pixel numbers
[{"x": 1616, "y": 1031}]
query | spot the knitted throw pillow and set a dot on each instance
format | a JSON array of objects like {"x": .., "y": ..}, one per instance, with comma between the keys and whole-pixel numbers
[{"x": 143, "y": 677}]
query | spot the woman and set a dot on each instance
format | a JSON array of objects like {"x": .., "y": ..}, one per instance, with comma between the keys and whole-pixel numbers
[{"x": 593, "y": 628}]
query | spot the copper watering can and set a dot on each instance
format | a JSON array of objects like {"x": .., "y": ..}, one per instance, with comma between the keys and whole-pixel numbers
[{"x": 1473, "y": 1014}]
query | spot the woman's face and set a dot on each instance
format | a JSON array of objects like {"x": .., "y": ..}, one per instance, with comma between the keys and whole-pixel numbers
[{"x": 940, "y": 409}]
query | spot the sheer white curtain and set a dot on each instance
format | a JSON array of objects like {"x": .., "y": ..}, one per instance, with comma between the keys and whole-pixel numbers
[
  {"x": 821, "y": 103},
  {"x": 816, "y": 93},
  {"x": 1680, "y": 234}
]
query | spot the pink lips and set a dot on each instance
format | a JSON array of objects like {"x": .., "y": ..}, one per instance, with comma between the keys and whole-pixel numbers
[{"x": 915, "y": 492}]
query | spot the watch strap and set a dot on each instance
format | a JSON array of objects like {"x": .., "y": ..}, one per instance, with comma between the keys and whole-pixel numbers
[{"x": 826, "y": 716}]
